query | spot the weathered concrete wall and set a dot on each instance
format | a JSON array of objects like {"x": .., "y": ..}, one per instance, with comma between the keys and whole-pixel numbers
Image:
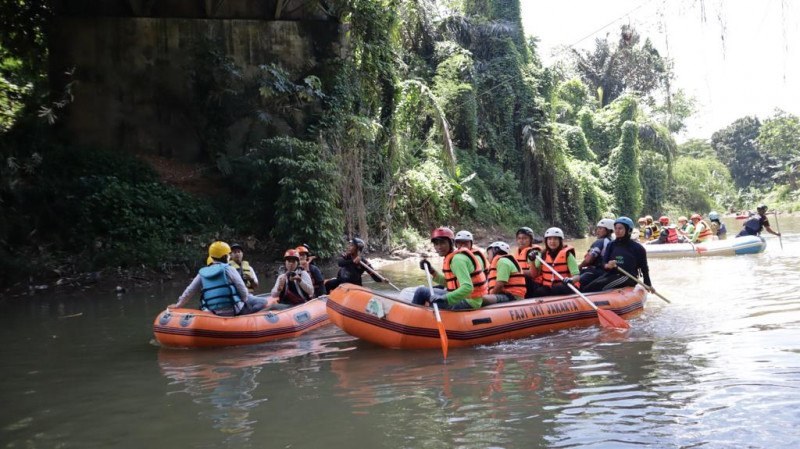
[{"x": 132, "y": 90}]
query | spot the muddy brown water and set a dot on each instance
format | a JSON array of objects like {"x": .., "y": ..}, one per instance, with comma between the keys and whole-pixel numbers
[{"x": 719, "y": 367}]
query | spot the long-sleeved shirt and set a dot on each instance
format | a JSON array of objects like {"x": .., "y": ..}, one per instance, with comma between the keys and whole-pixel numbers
[
  {"x": 630, "y": 256},
  {"x": 197, "y": 286},
  {"x": 351, "y": 272},
  {"x": 461, "y": 266},
  {"x": 305, "y": 283}
]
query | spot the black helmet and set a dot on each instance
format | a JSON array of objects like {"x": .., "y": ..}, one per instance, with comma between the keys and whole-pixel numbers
[
  {"x": 525, "y": 230},
  {"x": 236, "y": 245},
  {"x": 358, "y": 242},
  {"x": 762, "y": 206}
]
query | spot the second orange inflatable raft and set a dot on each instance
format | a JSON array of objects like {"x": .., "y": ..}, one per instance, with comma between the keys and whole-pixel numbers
[
  {"x": 389, "y": 321},
  {"x": 196, "y": 329}
]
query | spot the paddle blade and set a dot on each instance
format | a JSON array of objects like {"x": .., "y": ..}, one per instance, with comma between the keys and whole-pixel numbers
[
  {"x": 609, "y": 319},
  {"x": 443, "y": 337}
]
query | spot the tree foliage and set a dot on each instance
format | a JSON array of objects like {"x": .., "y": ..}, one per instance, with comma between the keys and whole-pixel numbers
[{"x": 735, "y": 145}]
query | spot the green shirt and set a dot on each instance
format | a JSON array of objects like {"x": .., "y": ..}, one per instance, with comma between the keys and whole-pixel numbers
[
  {"x": 461, "y": 266},
  {"x": 504, "y": 269}
]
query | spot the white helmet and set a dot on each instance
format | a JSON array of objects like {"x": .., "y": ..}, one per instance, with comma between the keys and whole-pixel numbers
[
  {"x": 463, "y": 236},
  {"x": 606, "y": 223},
  {"x": 713, "y": 215},
  {"x": 554, "y": 232},
  {"x": 502, "y": 246}
]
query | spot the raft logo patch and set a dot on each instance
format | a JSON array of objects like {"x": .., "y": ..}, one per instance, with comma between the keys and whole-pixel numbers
[{"x": 537, "y": 310}]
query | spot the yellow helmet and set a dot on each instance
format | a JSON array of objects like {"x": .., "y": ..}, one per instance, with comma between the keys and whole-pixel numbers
[
  {"x": 209, "y": 261},
  {"x": 219, "y": 250}
]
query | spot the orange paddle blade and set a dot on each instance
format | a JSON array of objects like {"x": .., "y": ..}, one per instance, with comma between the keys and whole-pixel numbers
[
  {"x": 443, "y": 337},
  {"x": 610, "y": 319}
]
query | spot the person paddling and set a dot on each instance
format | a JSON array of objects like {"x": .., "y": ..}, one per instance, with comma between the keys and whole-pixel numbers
[
  {"x": 506, "y": 281},
  {"x": 462, "y": 275},
  {"x": 758, "y": 222},
  {"x": 350, "y": 268},
  {"x": 702, "y": 230},
  {"x": 592, "y": 266},
  {"x": 623, "y": 252},
  {"x": 222, "y": 290},
  {"x": 561, "y": 258}
]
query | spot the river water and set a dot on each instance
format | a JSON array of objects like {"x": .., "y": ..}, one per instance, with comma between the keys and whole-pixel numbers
[{"x": 717, "y": 368}]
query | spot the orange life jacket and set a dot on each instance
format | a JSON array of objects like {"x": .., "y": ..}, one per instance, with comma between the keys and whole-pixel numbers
[
  {"x": 478, "y": 276},
  {"x": 522, "y": 260},
  {"x": 705, "y": 234},
  {"x": 559, "y": 263},
  {"x": 516, "y": 282},
  {"x": 479, "y": 254}
]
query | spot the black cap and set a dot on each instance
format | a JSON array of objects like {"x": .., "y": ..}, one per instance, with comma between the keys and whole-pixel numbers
[{"x": 236, "y": 245}]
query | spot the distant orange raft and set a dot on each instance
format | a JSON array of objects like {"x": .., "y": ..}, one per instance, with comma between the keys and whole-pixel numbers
[
  {"x": 197, "y": 329},
  {"x": 388, "y": 321}
]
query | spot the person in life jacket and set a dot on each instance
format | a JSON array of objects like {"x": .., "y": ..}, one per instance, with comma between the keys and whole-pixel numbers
[
  {"x": 559, "y": 256},
  {"x": 464, "y": 240},
  {"x": 758, "y": 222},
  {"x": 685, "y": 229},
  {"x": 462, "y": 275},
  {"x": 243, "y": 267},
  {"x": 668, "y": 234},
  {"x": 527, "y": 241},
  {"x": 293, "y": 285},
  {"x": 653, "y": 227},
  {"x": 643, "y": 232},
  {"x": 592, "y": 265},
  {"x": 506, "y": 281},
  {"x": 351, "y": 268},
  {"x": 718, "y": 228},
  {"x": 625, "y": 253},
  {"x": 306, "y": 262},
  {"x": 702, "y": 231},
  {"x": 222, "y": 290}
]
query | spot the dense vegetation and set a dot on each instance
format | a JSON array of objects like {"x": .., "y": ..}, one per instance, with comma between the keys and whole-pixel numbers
[{"x": 441, "y": 114}]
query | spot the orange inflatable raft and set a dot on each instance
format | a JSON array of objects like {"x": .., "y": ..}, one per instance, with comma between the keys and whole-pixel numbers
[
  {"x": 389, "y": 321},
  {"x": 197, "y": 329}
]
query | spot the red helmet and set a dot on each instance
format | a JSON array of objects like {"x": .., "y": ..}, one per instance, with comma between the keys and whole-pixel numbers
[
  {"x": 301, "y": 250},
  {"x": 664, "y": 220},
  {"x": 443, "y": 233},
  {"x": 291, "y": 253},
  {"x": 696, "y": 217}
]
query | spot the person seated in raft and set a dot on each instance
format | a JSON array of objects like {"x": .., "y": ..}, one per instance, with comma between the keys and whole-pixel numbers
[
  {"x": 317, "y": 279},
  {"x": 702, "y": 231},
  {"x": 222, "y": 290},
  {"x": 506, "y": 281},
  {"x": 626, "y": 253},
  {"x": 243, "y": 267},
  {"x": 644, "y": 235},
  {"x": 464, "y": 240},
  {"x": 758, "y": 222},
  {"x": 526, "y": 241},
  {"x": 294, "y": 285},
  {"x": 463, "y": 277},
  {"x": 718, "y": 228},
  {"x": 559, "y": 256},
  {"x": 592, "y": 266},
  {"x": 653, "y": 227},
  {"x": 668, "y": 234},
  {"x": 351, "y": 268},
  {"x": 685, "y": 229}
]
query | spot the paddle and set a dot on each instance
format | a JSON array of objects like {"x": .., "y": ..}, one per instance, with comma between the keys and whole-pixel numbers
[
  {"x": 442, "y": 333},
  {"x": 651, "y": 289},
  {"x": 377, "y": 274},
  {"x": 607, "y": 317},
  {"x": 778, "y": 227}
]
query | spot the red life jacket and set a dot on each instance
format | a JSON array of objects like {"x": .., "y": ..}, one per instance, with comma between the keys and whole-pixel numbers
[
  {"x": 559, "y": 263},
  {"x": 516, "y": 281},
  {"x": 478, "y": 276}
]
